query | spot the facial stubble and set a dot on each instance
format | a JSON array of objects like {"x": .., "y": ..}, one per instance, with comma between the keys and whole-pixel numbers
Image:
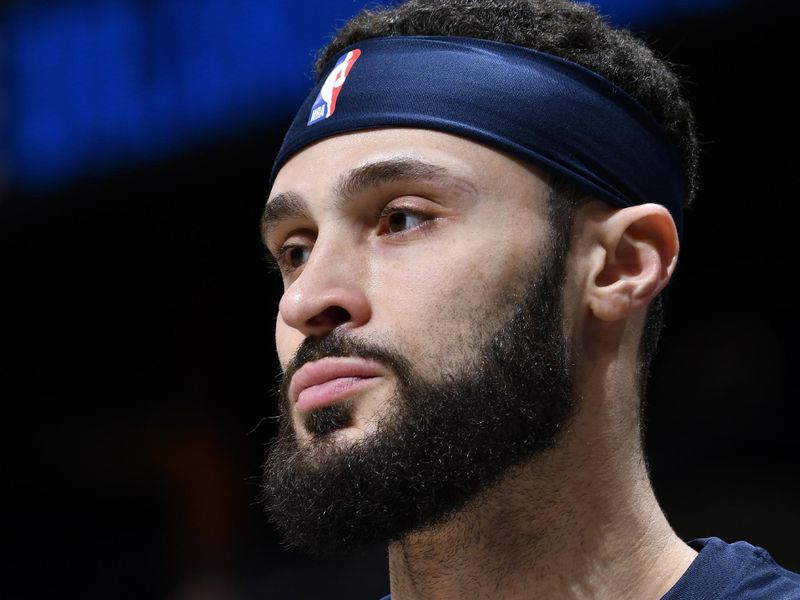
[{"x": 440, "y": 443}]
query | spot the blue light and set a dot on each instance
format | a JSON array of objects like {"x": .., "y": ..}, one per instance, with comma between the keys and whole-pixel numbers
[
  {"x": 645, "y": 13},
  {"x": 93, "y": 85}
]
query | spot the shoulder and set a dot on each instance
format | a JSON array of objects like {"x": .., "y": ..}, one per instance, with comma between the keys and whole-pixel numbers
[{"x": 738, "y": 571}]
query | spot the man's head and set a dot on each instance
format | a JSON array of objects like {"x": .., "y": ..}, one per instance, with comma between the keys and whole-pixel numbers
[
  {"x": 438, "y": 294},
  {"x": 433, "y": 259}
]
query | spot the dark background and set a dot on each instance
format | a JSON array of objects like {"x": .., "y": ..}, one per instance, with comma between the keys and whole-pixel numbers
[{"x": 138, "y": 368}]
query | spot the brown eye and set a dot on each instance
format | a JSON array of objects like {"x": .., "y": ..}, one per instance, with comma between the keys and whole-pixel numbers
[
  {"x": 297, "y": 256},
  {"x": 291, "y": 257},
  {"x": 400, "y": 221}
]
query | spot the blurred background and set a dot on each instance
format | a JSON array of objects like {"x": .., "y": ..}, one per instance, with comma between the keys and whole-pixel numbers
[{"x": 137, "y": 313}]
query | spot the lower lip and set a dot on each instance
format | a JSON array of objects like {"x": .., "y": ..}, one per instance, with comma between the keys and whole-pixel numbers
[{"x": 331, "y": 391}]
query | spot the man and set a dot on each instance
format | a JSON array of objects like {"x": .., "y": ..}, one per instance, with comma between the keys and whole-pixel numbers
[{"x": 476, "y": 215}]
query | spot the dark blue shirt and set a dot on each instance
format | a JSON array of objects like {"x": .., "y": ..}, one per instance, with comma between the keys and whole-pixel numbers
[{"x": 735, "y": 571}]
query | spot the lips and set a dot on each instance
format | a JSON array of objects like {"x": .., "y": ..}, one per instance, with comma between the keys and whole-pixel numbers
[{"x": 328, "y": 380}]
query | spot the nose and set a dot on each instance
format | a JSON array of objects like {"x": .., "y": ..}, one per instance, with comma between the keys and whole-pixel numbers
[{"x": 328, "y": 293}]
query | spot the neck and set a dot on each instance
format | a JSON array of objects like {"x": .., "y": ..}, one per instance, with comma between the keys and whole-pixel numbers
[{"x": 580, "y": 521}]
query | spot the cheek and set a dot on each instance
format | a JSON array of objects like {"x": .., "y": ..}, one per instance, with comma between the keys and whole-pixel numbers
[
  {"x": 287, "y": 341},
  {"x": 457, "y": 269},
  {"x": 439, "y": 303}
]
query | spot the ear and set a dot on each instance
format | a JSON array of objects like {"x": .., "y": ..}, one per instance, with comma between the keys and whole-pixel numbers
[{"x": 635, "y": 253}]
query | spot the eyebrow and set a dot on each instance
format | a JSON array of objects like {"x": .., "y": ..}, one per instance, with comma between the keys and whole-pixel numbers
[
  {"x": 282, "y": 207},
  {"x": 372, "y": 175},
  {"x": 290, "y": 205}
]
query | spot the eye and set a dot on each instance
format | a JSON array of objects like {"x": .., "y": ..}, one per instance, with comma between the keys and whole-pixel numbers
[
  {"x": 398, "y": 220},
  {"x": 292, "y": 256}
]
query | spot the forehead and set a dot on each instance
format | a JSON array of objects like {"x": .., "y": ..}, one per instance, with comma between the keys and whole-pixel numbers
[{"x": 324, "y": 165}]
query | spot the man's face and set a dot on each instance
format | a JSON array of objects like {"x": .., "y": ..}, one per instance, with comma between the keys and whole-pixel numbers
[{"x": 420, "y": 331}]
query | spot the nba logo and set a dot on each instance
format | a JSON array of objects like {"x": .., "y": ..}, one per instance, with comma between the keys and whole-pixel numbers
[{"x": 325, "y": 103}]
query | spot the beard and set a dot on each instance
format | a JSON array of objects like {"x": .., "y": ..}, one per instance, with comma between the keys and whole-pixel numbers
[{"x": 440, "y": 442}]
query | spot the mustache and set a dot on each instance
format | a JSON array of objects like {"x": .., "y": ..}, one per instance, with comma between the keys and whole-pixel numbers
[{"x": 340, "y": 343}]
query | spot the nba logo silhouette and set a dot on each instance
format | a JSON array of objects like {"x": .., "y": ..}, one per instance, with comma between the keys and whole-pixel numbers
[{"x": 325, "y": 103}]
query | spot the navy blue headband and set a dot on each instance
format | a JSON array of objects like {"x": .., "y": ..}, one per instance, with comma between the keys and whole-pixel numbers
[{"x": 544, "y": 109}]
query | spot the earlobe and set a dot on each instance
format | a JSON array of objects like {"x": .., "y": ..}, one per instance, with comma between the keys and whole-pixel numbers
[{"x": 636, "y": 254}]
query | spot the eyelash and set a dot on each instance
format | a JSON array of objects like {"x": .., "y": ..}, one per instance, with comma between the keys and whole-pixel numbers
[
  {"x": 389, "y": 210},
  {"x": 271, "y": 262},
  {"x": 279, "y": 263}
]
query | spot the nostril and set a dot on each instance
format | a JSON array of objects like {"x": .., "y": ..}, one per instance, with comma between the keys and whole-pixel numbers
[
  {"x": 333, "y": 315},
  {"x": 337, "y": 313}
]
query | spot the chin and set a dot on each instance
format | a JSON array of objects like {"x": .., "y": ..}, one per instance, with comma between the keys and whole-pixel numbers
[{"x": 345, "y": 435}]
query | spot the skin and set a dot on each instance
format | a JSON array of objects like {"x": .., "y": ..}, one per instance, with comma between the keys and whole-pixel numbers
[{"x": 414, "y": 259}]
